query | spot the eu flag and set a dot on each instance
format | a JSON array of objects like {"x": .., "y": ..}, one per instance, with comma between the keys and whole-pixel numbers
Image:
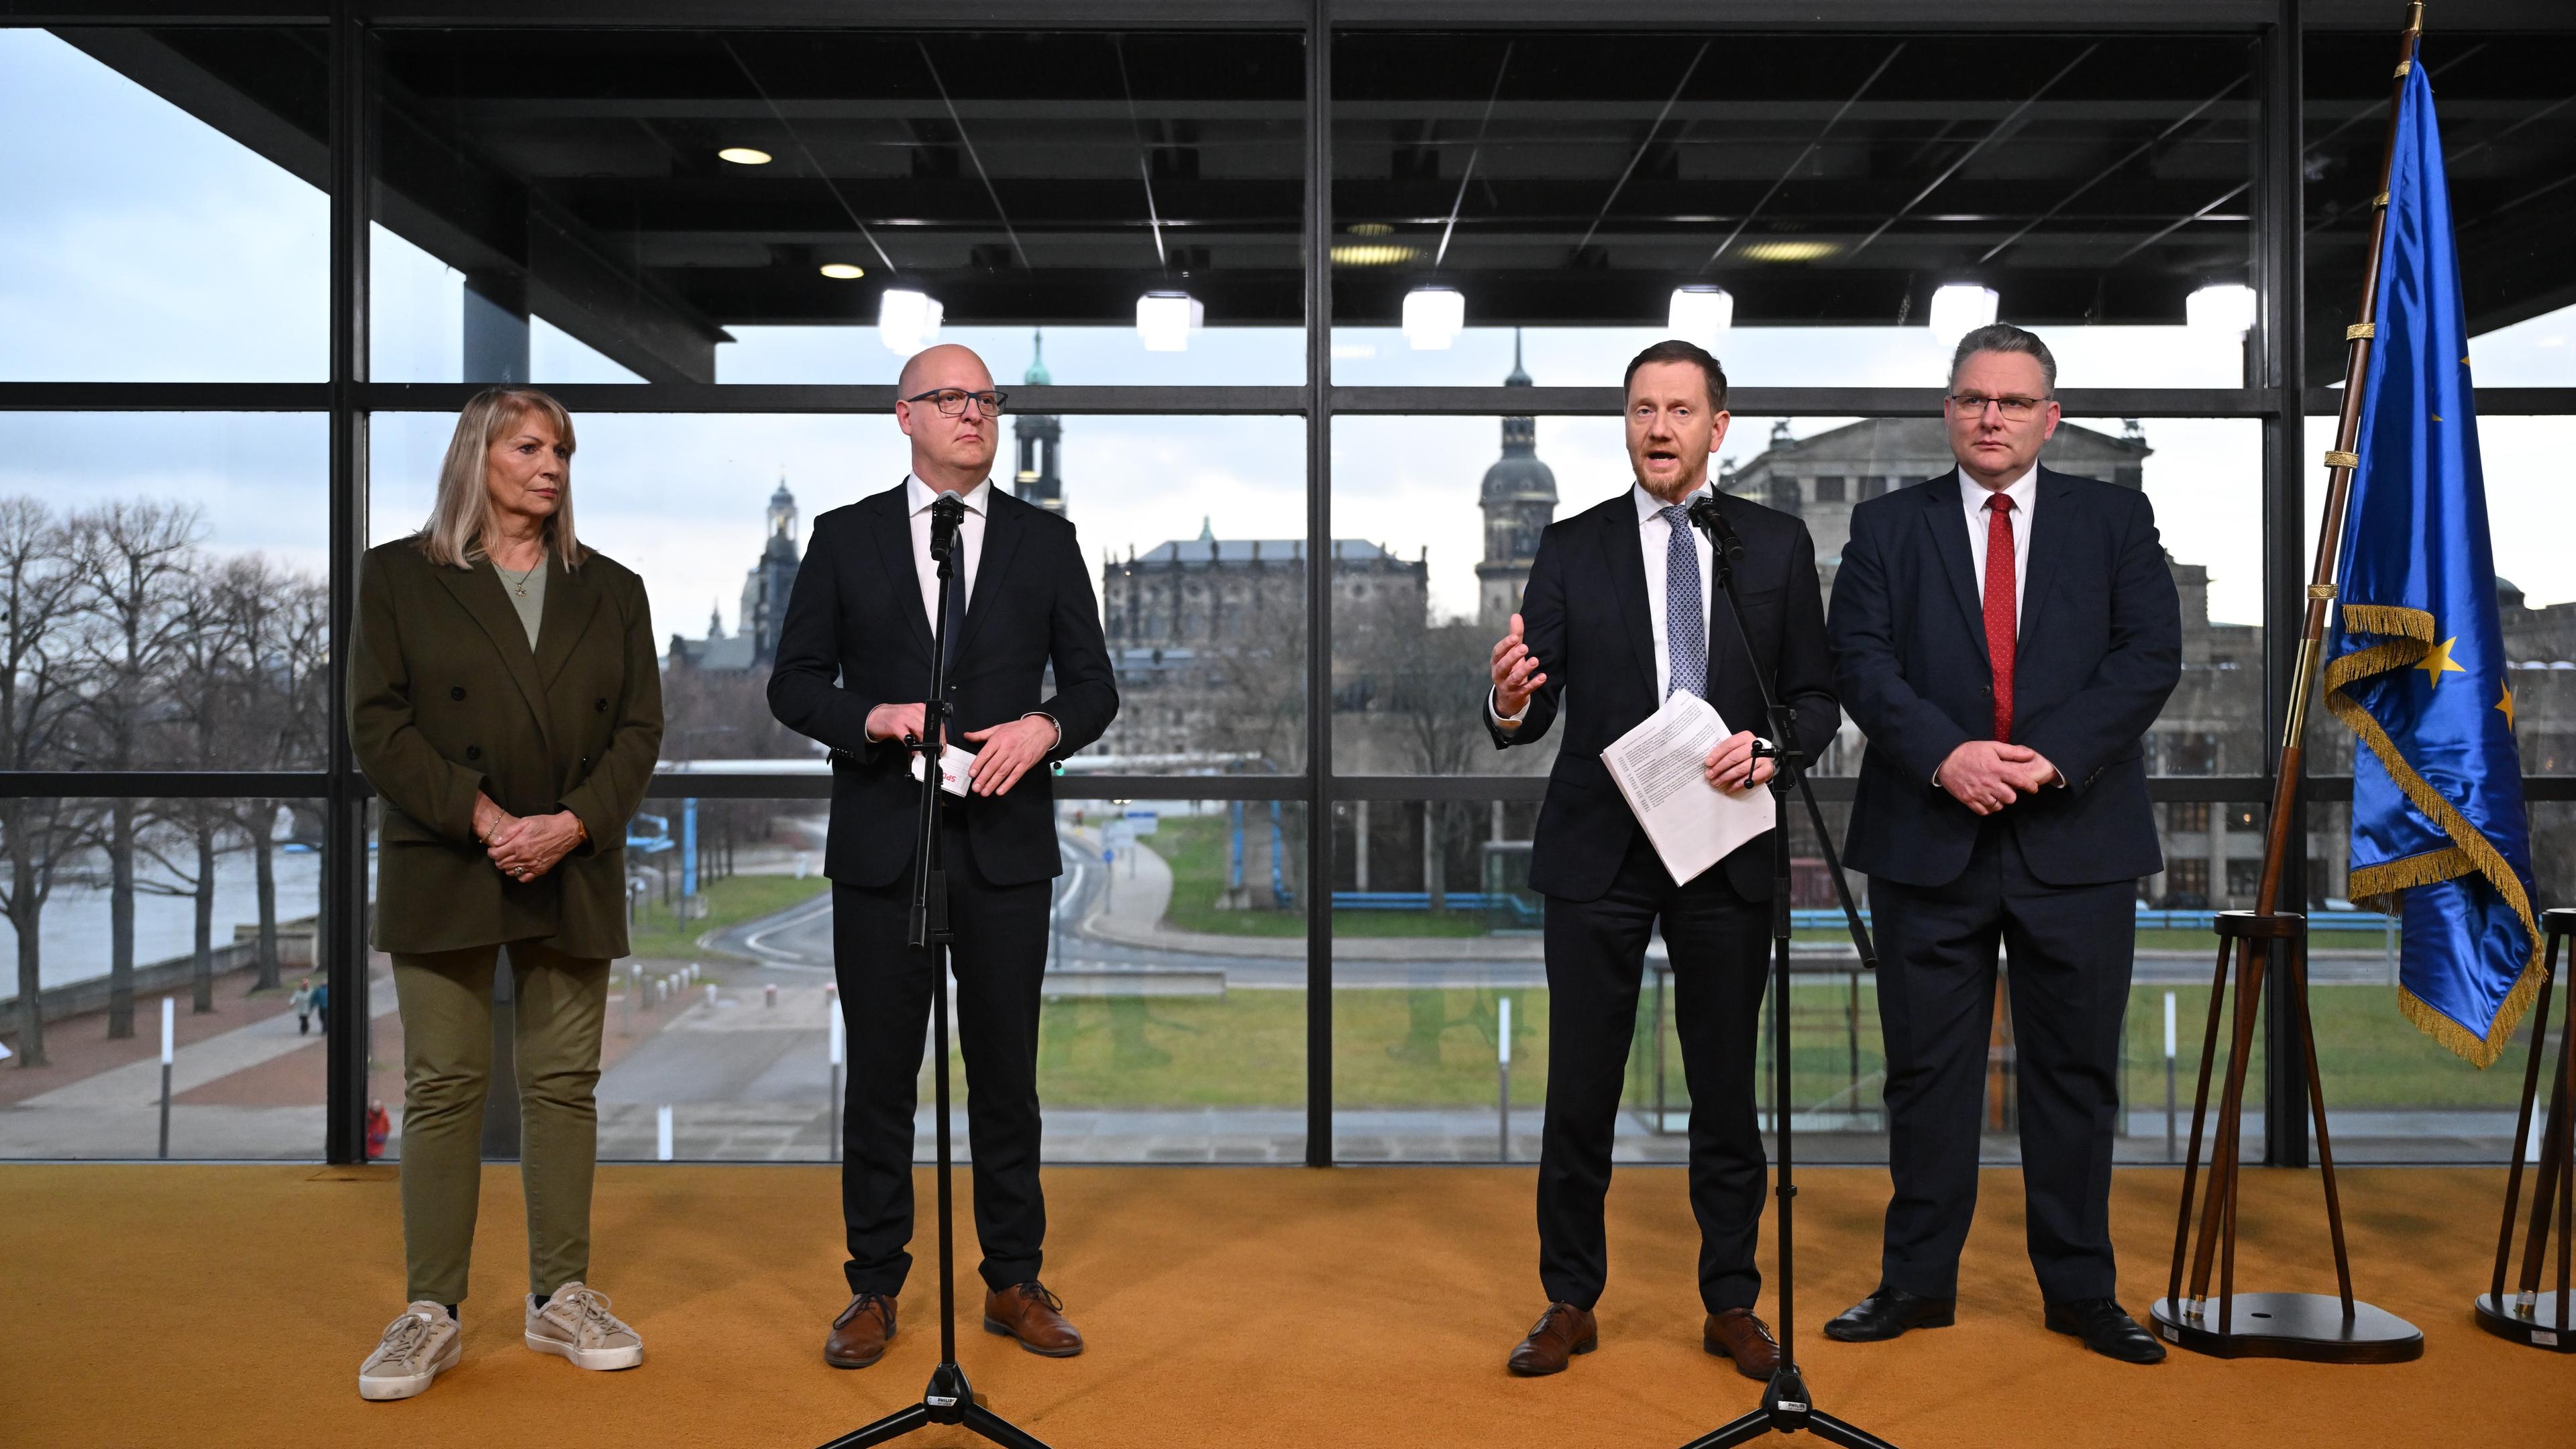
[{"x": 2416, "y": 663}]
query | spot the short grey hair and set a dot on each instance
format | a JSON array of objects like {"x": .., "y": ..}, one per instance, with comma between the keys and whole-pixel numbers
[{"x": 2005, "y": 337}]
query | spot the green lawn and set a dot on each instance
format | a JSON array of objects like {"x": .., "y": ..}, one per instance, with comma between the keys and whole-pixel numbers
[
  {"x": 1435, "y": 1048},
  {"x": 1195, "y": 848},
  {"x": 730, "y": 902}
]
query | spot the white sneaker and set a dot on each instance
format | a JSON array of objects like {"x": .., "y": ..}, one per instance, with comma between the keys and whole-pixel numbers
[
  {"x": 576, "y": 1324},
  {"x": 417, "y": 1347}
]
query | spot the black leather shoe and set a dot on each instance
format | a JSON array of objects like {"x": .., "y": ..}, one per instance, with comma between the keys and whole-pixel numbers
[
  {"x": 2105, "y": 1327},
  {"x": 1891, "y": 1311}
]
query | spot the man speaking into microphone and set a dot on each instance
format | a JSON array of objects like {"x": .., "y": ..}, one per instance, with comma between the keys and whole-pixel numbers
[
  {"x": 854, "y": 656},
  {"x": 1621, "y": 611}
]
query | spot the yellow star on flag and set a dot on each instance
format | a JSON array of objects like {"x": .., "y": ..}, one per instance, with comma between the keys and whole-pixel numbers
[
  {"x": 2506, "y": 704},
  {"x": 2439, "y": 660}
]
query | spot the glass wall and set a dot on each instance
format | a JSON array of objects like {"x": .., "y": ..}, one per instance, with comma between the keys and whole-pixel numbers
[
  {"x": 719, "y": 245},
  {"x": 177, "y": 930}
]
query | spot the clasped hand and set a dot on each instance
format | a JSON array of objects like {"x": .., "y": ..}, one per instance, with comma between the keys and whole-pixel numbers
[
  {"x": 524, "y": 847},
  {"x": 1008, "y": 749},
  {"x": 1987, "y": 775},
  {"x": 1734, "y": 767}
]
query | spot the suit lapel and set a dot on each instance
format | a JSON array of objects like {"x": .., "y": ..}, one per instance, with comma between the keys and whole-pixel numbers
[
  {"x": 2051, "y": 534},
  {"x": 479, "y": 590},
  {"x": 1949, "y": 528},
  {"x": 570, "y": 603},
  {"x": 894, "y": 549},
  {"x": 1002, "y": 526},
  {"x": 1627, "y": 560}
]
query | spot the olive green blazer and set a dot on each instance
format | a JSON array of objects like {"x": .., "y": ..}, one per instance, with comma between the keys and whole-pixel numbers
[{"x": 446, "y": 699}]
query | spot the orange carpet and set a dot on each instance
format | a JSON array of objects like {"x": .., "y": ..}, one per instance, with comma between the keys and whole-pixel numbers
[{"x": 209, "y": 1306}]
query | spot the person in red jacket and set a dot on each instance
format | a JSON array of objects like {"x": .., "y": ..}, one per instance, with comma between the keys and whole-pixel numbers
[{"x": 379, "y": 1127}]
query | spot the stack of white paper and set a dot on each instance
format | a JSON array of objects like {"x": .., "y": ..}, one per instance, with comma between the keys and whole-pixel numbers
[{"x": 1658, "y": 766}]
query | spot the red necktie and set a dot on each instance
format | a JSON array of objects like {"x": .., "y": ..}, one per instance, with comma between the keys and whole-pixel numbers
[{"x": 2002, "y": 607}]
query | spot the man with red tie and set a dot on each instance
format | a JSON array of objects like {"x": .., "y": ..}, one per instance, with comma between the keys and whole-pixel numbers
[{"x": 2005, "y": 635}]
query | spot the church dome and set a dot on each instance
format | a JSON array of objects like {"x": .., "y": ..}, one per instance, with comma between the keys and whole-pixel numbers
[{"x": 1519, "y": 475}]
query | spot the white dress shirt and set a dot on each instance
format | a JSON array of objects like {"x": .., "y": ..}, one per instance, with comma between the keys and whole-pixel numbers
[
  {"x": 917, "y": 498},
  {"x": 2024, "y": 491},
  {"x": 968, "y": 556},
  {"x": 1654, "y": 543}
]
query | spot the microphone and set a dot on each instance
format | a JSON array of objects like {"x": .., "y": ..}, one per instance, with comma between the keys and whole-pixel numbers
[
  {"x": 945, "y": 514},
  {"x": 1706, "y": 516}
]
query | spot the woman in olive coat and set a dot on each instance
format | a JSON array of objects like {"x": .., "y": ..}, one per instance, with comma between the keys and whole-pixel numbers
[{"x": 505, "y": 701}]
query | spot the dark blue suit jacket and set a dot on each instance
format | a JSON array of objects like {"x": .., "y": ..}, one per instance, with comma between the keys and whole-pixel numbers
[
  {"x": 856, "y": 636},
  {"x": 2100, "y": 649},
  {"x": 1585, "y": 616}
]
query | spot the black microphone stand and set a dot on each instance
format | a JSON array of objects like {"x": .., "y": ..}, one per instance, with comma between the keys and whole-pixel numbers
[
  {"x": 1785, "y": 1409},
  {"x": 948, "y": 1399}
]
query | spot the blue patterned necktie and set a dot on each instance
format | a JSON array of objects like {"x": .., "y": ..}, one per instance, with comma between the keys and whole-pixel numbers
[{"x": 1685, "y": 637}]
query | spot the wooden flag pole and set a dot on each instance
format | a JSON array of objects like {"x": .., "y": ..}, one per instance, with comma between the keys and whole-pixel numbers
[{"x": 2286, "y": 1325}]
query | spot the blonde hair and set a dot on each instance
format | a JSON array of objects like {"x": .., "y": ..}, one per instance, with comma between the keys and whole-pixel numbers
[{"x": 454, "y": 533}]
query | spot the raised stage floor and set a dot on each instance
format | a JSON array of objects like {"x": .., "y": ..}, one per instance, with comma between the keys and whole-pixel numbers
[{"x": 217, "y": 1305}]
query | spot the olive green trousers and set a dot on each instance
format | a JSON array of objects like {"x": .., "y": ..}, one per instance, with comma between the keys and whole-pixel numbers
[{"x": 446, "y": 1000}]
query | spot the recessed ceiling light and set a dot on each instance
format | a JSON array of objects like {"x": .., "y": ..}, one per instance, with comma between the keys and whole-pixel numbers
[
  {"x": 1787, "y": 251},
  {"x": 1373, "y": 254},
  {"x": 843, "y": 271},
  {"x": 744, "y": 156},
  {"x": 1372, "y": 228}
]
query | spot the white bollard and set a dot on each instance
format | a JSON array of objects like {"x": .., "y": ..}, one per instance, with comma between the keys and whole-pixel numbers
[
  {"x": 840, "y": 1052},
  {"x": 769, "y": 996},
  {"x": 711, "y": 993},
  {"x": 2169, "y": 1076},
  {"x": 662, "y": 1133},
  {"x": 169, "y": 1054}
]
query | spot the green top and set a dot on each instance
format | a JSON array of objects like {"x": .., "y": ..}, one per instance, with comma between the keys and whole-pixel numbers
[{"x": 528, "y": 595}]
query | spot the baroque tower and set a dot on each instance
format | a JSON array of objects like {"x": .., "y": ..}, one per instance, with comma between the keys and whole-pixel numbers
[
  {"x": 1036, "y": 480},
  {"x": 1519, "y": 501}
]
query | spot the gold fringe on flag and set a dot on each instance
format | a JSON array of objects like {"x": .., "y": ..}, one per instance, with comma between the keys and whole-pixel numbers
[{"x": 2408, "y": 636}]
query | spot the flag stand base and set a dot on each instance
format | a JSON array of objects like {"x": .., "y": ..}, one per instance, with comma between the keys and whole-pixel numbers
[
  {"x": 2528, "y": 1315},
  {"x": 2308, "y": 1326},
  {"x": 2315, "y": 1327}
]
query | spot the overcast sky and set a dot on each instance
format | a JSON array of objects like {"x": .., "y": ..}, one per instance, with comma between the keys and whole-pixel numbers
[{"x": 139, "y": 245}]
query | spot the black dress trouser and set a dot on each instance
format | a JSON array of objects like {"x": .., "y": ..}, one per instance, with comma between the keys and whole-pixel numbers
[
  {"x": 996, "y": 962},
  {"x": 2072, "y": 948},
  {"x": 1596, "y": 956}
]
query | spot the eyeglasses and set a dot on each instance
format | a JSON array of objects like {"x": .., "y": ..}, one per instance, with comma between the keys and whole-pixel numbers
[
  {"x": 2014, "y": 409},
  {"x": 951, "y": 402}
]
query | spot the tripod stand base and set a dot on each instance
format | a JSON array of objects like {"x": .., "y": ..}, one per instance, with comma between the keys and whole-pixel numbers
[
  {"x": 947, "y": 1401},
  {"x": 2305, "y": 1326},
  {"x": 2540, "y": 1327},
  {"x": 1786, "y": 1410}
]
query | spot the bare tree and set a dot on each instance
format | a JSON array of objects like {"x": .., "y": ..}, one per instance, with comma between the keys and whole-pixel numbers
[
  {"x": 136, "y": 559},
  {"x": 39, "y": 688},
  {"x": 281, "y": 624},
  {"x": 201, "y": 725}
]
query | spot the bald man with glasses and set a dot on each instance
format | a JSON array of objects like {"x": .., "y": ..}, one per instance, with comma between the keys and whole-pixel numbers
[{"x": 853, "y": 670}]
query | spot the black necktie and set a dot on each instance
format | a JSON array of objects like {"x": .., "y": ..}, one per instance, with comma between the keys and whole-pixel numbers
[{"x": 956, "y": 625}]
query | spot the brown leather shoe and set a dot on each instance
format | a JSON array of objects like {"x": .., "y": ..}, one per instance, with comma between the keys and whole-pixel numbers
[
  {"x": 859, "y": 1335},
  {"x": 1029, "y": 1313},
  {"x": 1738, "y": 1335},
  {"x": 1561, "y": 1332}
]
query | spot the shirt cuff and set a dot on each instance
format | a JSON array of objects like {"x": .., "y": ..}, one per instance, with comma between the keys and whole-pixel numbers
[{"x": 1496, "y": 716}]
